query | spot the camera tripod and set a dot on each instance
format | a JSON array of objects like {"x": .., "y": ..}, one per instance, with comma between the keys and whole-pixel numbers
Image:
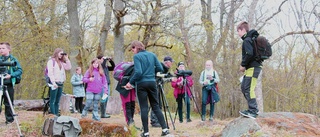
[
  {"x": 185, "y": 86},
  {"x": 9, "y": 100},
  {"x": 164, "y": 102}
]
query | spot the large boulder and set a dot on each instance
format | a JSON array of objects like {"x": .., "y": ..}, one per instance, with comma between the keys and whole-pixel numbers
[{"x": 274, "y": 123}]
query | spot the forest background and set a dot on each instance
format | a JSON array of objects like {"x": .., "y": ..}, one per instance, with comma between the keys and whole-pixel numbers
[{"x": 191, "y": 31}]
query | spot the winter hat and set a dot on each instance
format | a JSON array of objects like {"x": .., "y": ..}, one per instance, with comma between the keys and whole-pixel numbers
[{"x": 168, "y": 58}]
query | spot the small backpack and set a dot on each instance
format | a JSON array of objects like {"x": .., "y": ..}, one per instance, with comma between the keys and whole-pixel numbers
[
  {"x": 46, "y": 71},
  {"x": 47, "y": 128},
  {"x": 262, "y": 48},
  {"x": 119, "y": 70}
]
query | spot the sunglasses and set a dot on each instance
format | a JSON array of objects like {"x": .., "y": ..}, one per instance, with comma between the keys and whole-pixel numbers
[{"x": 133, "y": 47}]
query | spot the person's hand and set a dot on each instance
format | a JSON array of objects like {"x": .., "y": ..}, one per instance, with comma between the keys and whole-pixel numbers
[
  {"x": 128, "y": 86},
  {"x": 7, "y": 76},
  {"x": 174, "y": 79},
  {"x": 91, "y": 79},
  {"x": 66, "y": 57},
  {"x": 242, "y": 69},
  {"x": 205, "y": 83},
  {"x": 55, "y": 85}
]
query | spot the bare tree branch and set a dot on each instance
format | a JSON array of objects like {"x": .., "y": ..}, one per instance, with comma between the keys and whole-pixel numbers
[
  {"x": 279, "y": 10},
  {"x": 139, "y": 24},
  {"x": 294, "y": 33}
]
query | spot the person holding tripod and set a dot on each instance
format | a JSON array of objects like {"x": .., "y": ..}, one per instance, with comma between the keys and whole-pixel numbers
[
  {"x": 143, "y": 80},
  {"x": 12, "y": 76},
  {"x": 166, "y": 65},
  {"x": 106, "y": 69},
  {"x": 180, "y": 94}
]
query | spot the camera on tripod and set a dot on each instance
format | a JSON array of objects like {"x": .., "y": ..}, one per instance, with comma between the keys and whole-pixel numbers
[{"x": 183, "y": 73}]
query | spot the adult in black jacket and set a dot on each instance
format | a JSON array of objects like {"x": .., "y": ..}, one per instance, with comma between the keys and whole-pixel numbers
[
  {"x": 166, "y": 65},
  {"x": 251, "y": 68},
  {"x": 106, "y": 69}
]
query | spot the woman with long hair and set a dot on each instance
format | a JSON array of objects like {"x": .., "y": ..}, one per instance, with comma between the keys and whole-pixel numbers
[{"x": 57, "y": 66}]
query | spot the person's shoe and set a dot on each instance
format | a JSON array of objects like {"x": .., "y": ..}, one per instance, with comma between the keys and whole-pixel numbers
[
  {"x": 106, "y": 116},
  {"x": 8, "y": 122},
  {"x": 181, "y": 121},
  {"x": 203, "y": 118},
  {"x": 189, "y": 120},
  {"x": 165, "y": 133},
  {"x": 248, "y": 114},
  {"x": 155, "y": 125},
  {"x": 144, "y": 134},
  {"x": 211, "y": 118}
]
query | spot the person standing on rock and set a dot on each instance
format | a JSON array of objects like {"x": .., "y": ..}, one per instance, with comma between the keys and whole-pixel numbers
[{"x": 251, "y": 68}]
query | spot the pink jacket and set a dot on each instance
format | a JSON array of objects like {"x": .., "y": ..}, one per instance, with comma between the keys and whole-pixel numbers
[
  {"x": 179, "y": 89},
  {"x": 55, "y": 73},
  {"x": 98, "y": 84}
]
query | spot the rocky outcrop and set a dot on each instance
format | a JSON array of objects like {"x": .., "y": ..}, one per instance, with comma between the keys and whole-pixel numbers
[{"x": 274, "y": 123}]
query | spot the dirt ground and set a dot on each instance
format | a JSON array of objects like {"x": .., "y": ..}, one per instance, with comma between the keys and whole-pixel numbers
[{"x": 31, "y": 123}]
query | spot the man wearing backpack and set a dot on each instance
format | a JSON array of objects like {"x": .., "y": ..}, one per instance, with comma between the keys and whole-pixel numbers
[
  {"x": 251, "y": 68},
  {"x": 12, "y": 76}
]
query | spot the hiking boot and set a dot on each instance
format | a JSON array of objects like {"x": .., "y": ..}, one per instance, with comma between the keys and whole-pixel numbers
[
  {"x": 165, "y": 133},
  {"x": 248, "y": 114},
  {"x": 144, "y": 134},
  {"x": 189, "y": 120}
]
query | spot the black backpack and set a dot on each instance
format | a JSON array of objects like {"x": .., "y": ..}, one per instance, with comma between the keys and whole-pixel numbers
[{"x": 262, "y": 48}]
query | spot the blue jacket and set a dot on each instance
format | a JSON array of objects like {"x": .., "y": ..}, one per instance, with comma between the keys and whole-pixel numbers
[
  {"x": 146, "y": 65},
  {"x": 77, "y": 85}
]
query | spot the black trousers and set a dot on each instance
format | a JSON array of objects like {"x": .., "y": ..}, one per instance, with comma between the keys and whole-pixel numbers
[
  {"x": 148, "y": 91},
  {"x": 8, "y": 113},
  {"x": 153, "y": 118},
  {"x": 78, "y": 104}
]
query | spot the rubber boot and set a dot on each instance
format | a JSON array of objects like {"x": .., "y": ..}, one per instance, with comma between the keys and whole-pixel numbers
[
  {"x": 103, "y": 110},
  {"x": 133, "y": 106},
  {"x": 203, "y": 117},
  {"x": 129, "y": 114}
]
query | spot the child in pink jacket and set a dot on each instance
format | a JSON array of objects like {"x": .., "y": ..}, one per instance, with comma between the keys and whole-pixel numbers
[{"x": 96, "y": 83}]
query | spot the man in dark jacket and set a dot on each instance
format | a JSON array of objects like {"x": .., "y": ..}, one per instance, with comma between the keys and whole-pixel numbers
[
  {"x": 251, "y": 68},
  {"x": 143, "y": 80},
  {"x": 166, "y": 65},
  {"x": 106, "y": 69}
]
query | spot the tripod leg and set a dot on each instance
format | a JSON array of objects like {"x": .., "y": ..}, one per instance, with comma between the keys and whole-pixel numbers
[
  {"x": 195, "y": 102},
  {"x": 166, "y": 106},
  {"x": 13, "y": 113}
]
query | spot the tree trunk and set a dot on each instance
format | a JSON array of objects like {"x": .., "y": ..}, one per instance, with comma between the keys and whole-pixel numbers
[
  {"x": 114, "y": 103},
  {"x": 75, "y": 36},
  {"x": 105, "y": 28}
]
